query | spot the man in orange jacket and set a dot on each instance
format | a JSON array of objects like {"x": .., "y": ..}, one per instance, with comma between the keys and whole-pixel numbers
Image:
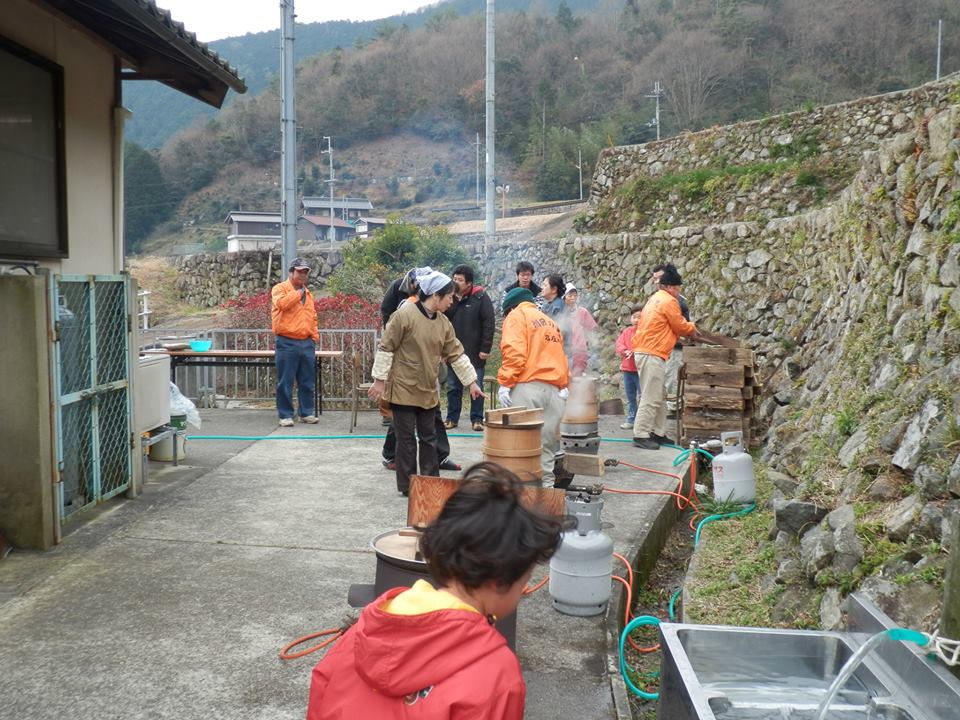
[
  {"x": 294, "y": 317},
  {"x": 533, "y": 370},
  {"x": 661, "y": 323}
]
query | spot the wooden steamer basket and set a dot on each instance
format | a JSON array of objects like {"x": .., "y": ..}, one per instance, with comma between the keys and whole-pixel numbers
[{"x": 511, "y": 438}]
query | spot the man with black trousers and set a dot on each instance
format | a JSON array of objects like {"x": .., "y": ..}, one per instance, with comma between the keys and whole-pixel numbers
[
  {"x": 473, "y": 322},
  {"x": 400, "y": 290}
]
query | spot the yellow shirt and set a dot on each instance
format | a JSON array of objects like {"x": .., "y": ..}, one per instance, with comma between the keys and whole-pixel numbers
[{"x": 424, "y": 598}]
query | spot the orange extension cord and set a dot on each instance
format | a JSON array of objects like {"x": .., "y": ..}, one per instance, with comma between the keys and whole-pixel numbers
[{"x": 682, "y": 502}]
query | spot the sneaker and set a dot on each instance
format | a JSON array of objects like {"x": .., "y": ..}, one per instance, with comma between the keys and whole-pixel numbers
[
  {"x": 310, "y": 419},
  {"x": 626, "y": 425},
  {"x": 646, "y": 443},
  {"x": 286, "y": 422},
  {"x": 450, "y": 424},
  {"x": 662, "y": 439},
  {"x": 449, "y": 464},
  {"x": 478, "y": 426},
  {"x": 390, "y": 464}
]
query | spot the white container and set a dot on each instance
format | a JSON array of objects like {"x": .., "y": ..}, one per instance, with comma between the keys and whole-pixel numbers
[
  {"x": 733, "y": 479},
  {"x": 151, "y": 407},
  {"x": 162, "y": 450}
]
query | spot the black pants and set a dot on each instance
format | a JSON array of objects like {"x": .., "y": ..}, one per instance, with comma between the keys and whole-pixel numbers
[
  {"x": 443, "y": 443},
  {"x": 416, "y": 437}
]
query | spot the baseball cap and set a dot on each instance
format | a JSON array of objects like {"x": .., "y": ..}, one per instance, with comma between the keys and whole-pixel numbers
[{"x": 299, "y": 264}]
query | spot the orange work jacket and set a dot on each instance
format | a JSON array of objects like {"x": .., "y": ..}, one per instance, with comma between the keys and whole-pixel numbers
[
  {"x": 531, "y": 347},
  {"x": 289, "y": 316},
  {"x": 661, "y": 323}
]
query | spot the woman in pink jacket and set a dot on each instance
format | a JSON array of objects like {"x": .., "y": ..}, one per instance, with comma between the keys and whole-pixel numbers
[
  {"x": 433, "y": 653},
  {"x": 631, "y": 381}
]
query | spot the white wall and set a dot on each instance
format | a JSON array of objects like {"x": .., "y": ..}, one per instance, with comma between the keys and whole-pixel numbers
[{"x": 90, "y": 150}]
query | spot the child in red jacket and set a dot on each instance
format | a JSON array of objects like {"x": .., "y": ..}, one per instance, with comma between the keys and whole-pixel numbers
[
  {"x": 631, "y": 381},
  {"x": 433, "y": 653}
]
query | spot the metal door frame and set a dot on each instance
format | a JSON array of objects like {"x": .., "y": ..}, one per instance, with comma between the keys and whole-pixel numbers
[{"x": 94, "y": 492}]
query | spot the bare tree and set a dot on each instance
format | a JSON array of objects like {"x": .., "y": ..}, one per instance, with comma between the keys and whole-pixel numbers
[{"x": 693, "y": 66}]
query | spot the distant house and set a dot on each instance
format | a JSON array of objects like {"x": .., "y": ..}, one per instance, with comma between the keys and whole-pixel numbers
[
  {"x": 345, "y": 208},
  {"x": 252, "y": 230},
  {"x": 367, "y": 225},
  {"x": 317, "y": 229}
]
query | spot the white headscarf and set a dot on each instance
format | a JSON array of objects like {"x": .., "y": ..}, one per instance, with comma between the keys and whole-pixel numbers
[{"x": 432, "y": 282}]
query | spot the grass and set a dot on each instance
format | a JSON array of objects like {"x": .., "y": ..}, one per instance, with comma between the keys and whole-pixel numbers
[{"x": 733, "y": 557}]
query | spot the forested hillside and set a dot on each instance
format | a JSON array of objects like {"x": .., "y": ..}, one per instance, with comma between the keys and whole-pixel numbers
[{"x": 563, "y": 82}]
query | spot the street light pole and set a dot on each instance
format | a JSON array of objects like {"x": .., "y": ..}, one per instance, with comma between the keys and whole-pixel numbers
[
  {"x": 333, "y": 232},
  {"x": 288, "y": 135},
  {"x": 478, "y": 169},
  {"x": 580, "y": 170},
  {"x": 657, "y": 93},
  {"x": 490, "y": 216}
]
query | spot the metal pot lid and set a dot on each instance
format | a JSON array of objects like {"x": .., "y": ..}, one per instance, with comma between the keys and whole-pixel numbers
[{"x": 398, "y": 549}]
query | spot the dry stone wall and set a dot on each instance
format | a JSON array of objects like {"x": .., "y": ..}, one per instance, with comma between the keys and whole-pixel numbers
[
  {"x": 768, "y": 181},
  {"x": 210, "y": 279}
]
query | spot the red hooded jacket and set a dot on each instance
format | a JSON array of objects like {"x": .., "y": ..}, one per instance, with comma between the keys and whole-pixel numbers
[{"x": 441, "y": 665}]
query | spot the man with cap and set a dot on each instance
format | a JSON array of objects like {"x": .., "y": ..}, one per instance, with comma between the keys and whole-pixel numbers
[
  {"x": 294, "y": 320},
  {"x": 676, "y": 357},
  {"x": 661, "y": 324},
  {"x": 533, "y": 370},
  {"x": 417, "y": 338}
]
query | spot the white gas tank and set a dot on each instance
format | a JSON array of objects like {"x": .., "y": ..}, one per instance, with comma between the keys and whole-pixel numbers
[{"x": 733, "y": 479}]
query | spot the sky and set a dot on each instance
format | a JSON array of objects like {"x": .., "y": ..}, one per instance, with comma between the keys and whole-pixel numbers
[{"x": 217, "y": 19}]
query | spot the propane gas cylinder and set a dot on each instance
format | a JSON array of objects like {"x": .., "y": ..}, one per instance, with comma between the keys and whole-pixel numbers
[
  {"x": 733, "y": 479},
  {"x": 580, "y": 569}
]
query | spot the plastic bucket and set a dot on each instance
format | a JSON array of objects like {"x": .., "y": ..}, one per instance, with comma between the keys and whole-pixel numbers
[
  {"x": 178, "y": 421},
  {"x": 162, "y": 450}
]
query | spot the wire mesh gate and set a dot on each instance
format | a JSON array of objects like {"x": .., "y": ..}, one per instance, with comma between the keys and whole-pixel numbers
[{"x": 91, "y": 356}]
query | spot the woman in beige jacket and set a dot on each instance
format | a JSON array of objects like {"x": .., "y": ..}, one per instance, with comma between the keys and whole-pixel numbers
[{"x": 416, "y": 340}]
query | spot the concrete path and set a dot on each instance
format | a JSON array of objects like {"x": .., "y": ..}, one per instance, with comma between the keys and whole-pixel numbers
[{"x": 174, "y": 604}]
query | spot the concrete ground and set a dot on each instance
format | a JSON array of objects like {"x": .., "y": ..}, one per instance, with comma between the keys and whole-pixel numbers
[{"x": 175, "y": 604}]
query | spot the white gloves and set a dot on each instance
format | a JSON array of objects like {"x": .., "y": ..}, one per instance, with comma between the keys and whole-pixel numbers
[
  {"x": 564, "y": 393},
  {"x": 503, "y": 394}
]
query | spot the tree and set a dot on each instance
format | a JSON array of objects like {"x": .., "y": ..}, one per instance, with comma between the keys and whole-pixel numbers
[
  {"x": 565, "y": 18},
  {"x": 694, "y": 65},
  {"x": 147, "y": 199}
]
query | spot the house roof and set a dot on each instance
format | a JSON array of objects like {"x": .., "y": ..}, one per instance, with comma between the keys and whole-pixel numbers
[
  {"x": 155, "y": 46},
  {"x": 245, "y": 216},
  {"x": 325, "y": 222},
  {"x": 349, "y": 203},
  {"x": 372, "y": 221}
]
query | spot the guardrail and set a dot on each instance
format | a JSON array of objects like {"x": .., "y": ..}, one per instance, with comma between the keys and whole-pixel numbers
[{"x": 205, "y": 385}]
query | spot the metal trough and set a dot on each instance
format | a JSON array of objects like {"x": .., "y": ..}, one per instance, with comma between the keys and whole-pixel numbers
[{"x": 711, "y": 672}]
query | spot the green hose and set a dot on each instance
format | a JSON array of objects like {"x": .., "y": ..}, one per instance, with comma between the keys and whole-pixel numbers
[
  {"x": 341, "y": 437},
  {"x": 631, "y": 626},
  {"x": 712, "y": 518}
]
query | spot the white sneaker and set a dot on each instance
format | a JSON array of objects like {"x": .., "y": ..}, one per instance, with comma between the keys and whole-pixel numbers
[
  {"x": 626, "y": 425},
  {"x": 286, "y": 422},
  {"x": 310, "y": 419}
]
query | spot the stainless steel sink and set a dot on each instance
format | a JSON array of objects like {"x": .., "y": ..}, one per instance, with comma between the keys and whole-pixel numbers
[{"x": 711, "y": 672}]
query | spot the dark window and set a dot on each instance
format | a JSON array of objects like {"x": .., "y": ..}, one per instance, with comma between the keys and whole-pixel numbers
[{"x": 33, "y": 194}]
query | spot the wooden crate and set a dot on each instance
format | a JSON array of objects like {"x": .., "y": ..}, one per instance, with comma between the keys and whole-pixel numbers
[{"x": 718, "y": 393}]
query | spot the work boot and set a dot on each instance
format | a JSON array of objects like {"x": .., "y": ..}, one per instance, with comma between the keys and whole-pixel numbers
[
  {"x": 662, "y": 439},
  {"x": 647, "y": 443}
]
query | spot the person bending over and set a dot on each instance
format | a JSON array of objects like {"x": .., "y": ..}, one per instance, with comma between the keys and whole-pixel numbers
[{"x": 433, "y": 653}]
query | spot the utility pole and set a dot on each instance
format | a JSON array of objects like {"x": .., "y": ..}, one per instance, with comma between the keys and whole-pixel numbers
[
  {"x": 490, "y": 215},
  {"x": 580, "y": 170},
  {"x": 288, "y": 135},
  {"x": 332, "y": 180},
  {"x": 477, "y": 146},
  {"x": 657, "y": 93},
  {"x": 939, "y": 44}
]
